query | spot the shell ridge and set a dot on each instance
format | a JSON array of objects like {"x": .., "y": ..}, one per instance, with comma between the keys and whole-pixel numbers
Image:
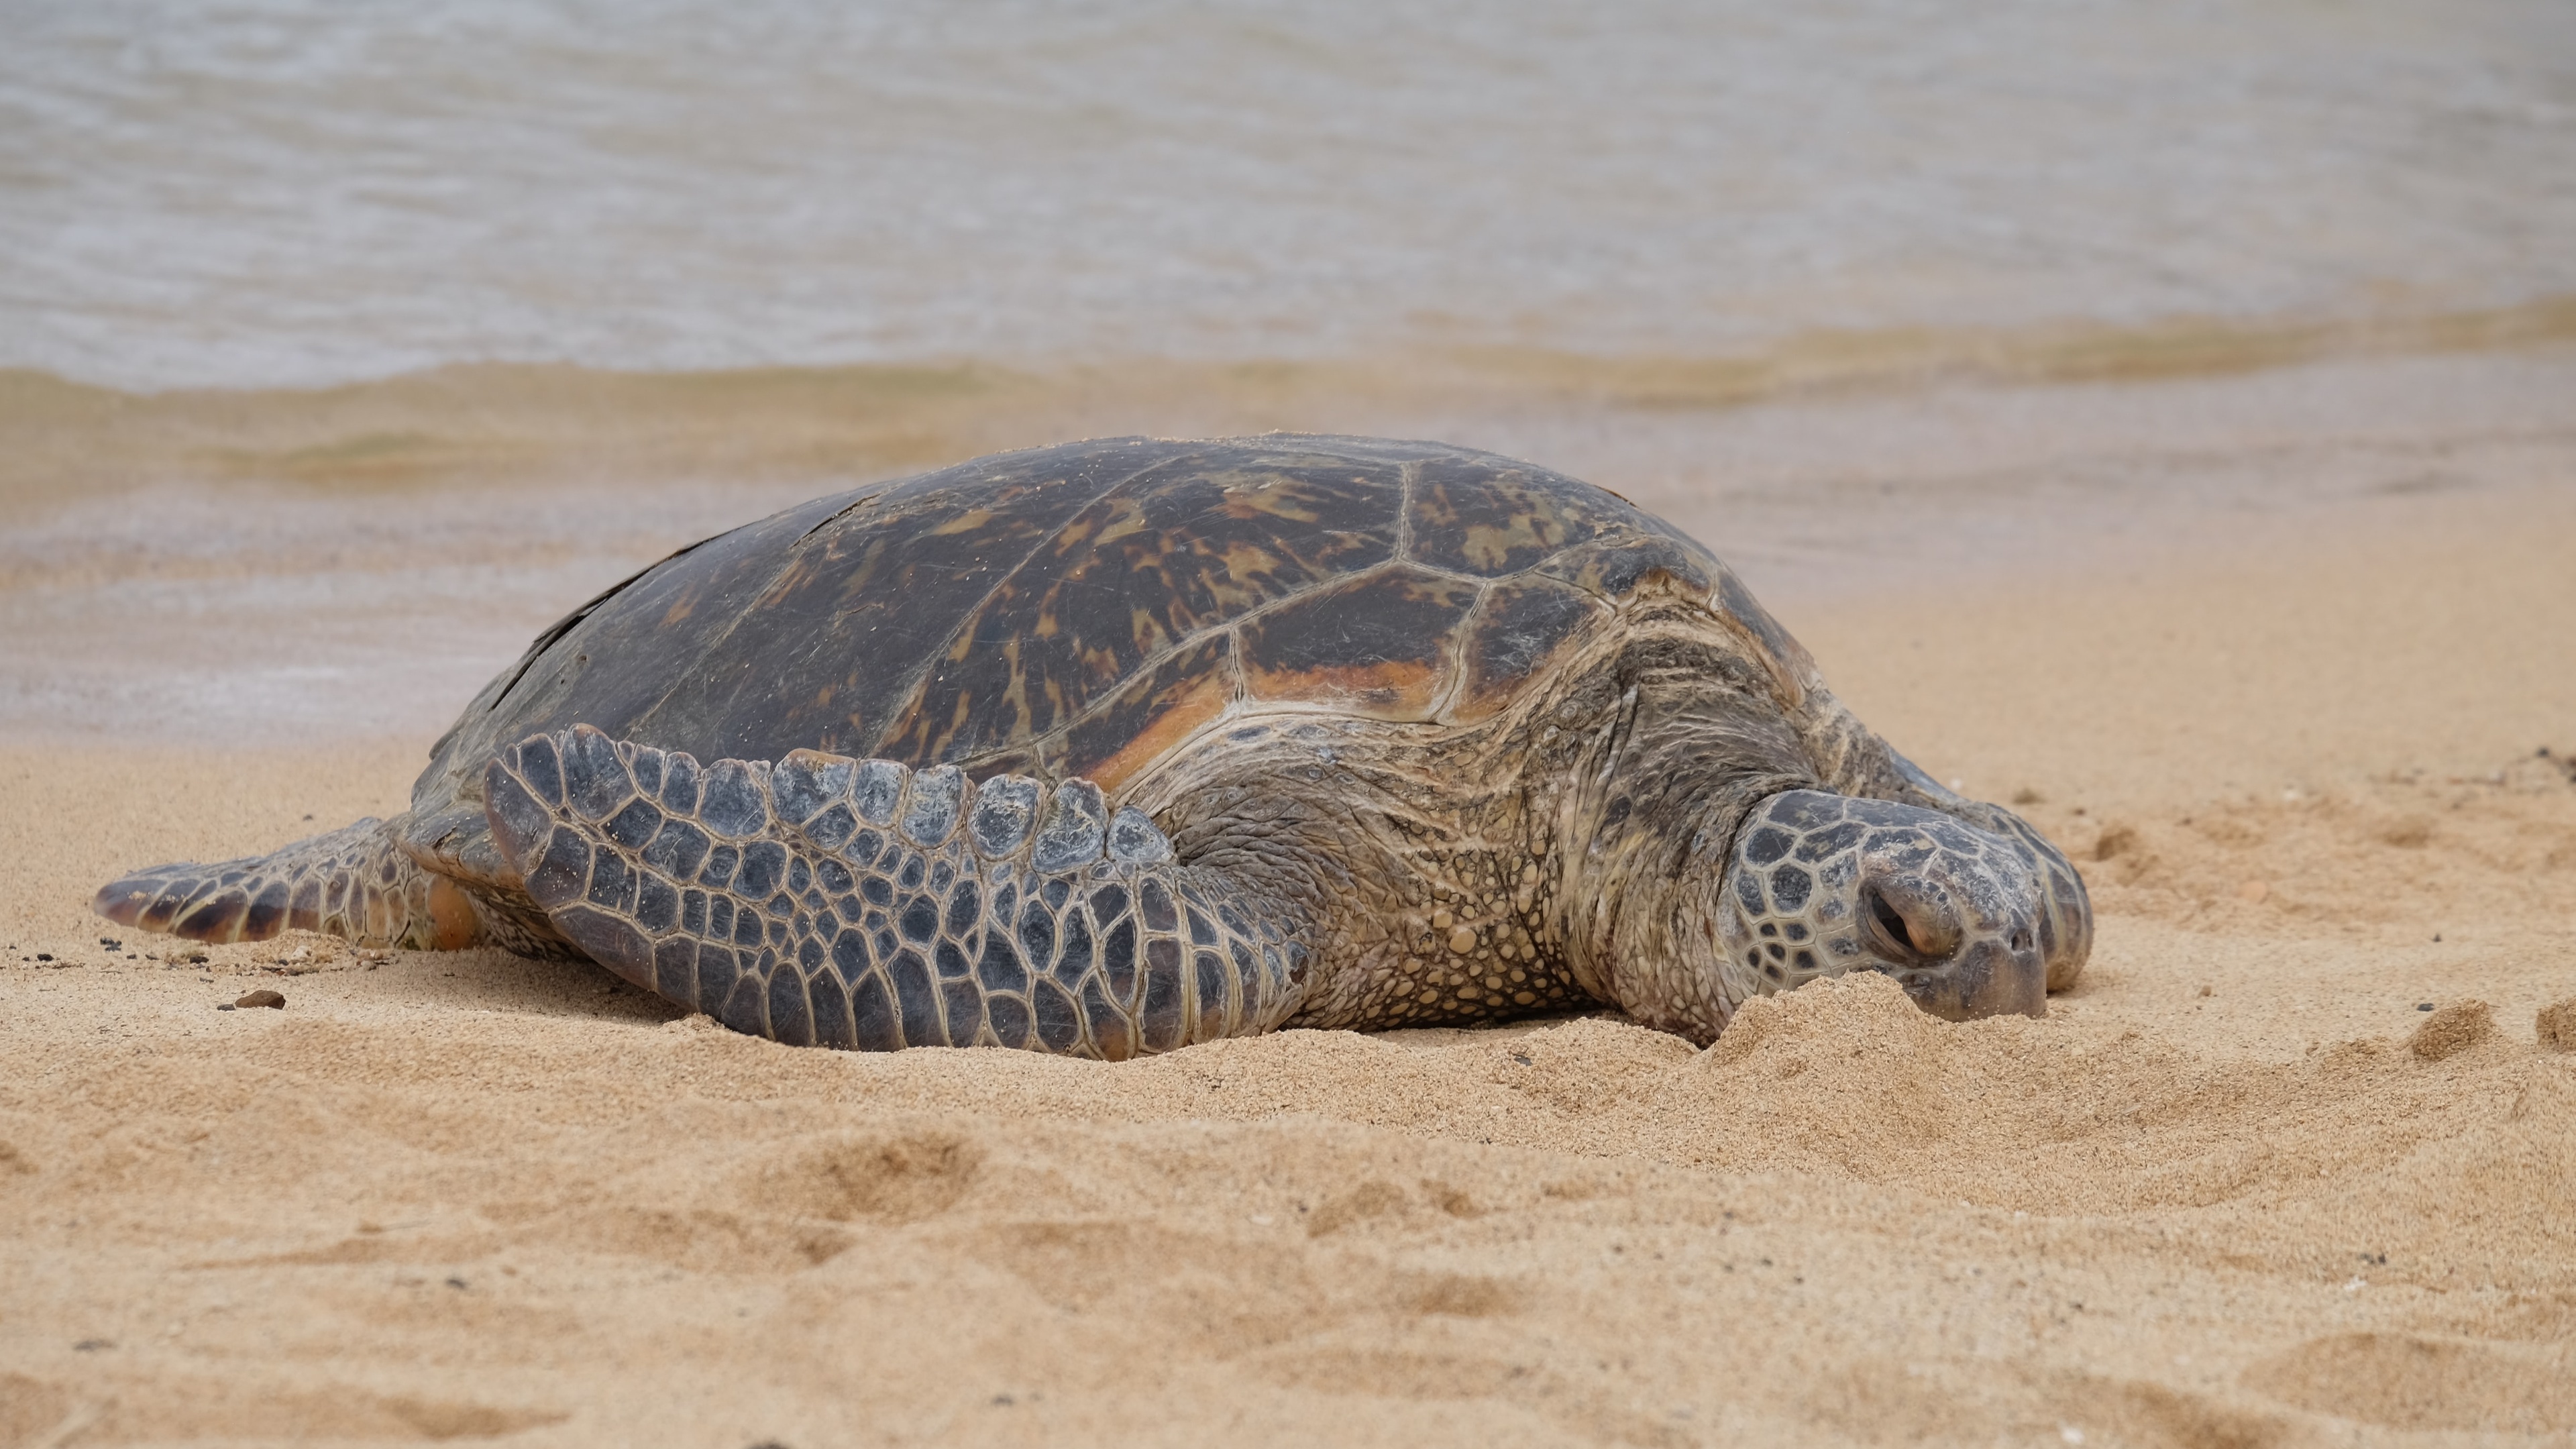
[
  {"x": 872, "y": 493},
  {"x": 1462, "y": 637},
  {"x": 1407, "y": 475}
]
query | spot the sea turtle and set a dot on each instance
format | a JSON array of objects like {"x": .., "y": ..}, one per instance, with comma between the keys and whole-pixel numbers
[{"x": 1112, "y": 747}]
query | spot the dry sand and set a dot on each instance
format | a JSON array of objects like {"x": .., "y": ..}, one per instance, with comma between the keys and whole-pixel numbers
[{"x": 2237, "y": 1189}]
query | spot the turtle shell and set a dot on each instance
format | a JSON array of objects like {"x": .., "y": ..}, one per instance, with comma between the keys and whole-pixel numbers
[{"x": 1086, "y": 609}]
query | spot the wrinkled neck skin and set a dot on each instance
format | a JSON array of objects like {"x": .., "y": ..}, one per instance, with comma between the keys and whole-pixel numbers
[{"x": 1701, "y": 738}]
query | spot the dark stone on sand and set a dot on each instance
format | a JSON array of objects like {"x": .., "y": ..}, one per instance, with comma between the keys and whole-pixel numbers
[{"x": 263, "y": 998}]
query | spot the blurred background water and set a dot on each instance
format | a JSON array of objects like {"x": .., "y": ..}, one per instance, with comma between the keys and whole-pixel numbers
[
  {"x": 700, "y": 260},
  {"x": 256, "y": 193}
]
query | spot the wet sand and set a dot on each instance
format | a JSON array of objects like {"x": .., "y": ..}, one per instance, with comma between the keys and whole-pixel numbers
[{"x": 2277, "y": 677}]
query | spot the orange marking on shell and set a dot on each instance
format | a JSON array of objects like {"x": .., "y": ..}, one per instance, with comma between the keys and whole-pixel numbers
[
  {"x": 1392, "y": 689},
  {"x": 1273, "y": 497},
  {"x": 970, "y": 520},
  {"x": 1484, "y": 546},
  {"x": 1126, "y": 518},
  {"x": 1194, "y": 707}
]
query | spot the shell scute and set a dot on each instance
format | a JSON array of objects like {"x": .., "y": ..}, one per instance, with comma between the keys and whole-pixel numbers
[
  {"x": 1132, "y": 577},
  {"x": 1155, "y": 711},
  {"x": 612, "y": 663},
  {"x": 1381, "y": 645},
  {"x": 889, "y": 583},
  {"x": 1474, "y": 518},
  {"x": 1790, "y": 659},
  {"x": 1521, "y": 628}
]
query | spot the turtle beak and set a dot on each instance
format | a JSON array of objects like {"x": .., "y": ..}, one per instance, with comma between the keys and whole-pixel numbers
[{"x": 1986, "y": 980}]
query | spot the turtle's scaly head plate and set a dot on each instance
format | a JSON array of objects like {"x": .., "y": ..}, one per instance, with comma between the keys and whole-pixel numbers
[{"x": 1821, "y": 884}]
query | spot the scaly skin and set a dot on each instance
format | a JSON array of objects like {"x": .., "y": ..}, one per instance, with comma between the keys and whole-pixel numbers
[
  {"x": 354, "y": 882},
  {"x": 826, "y": 901}
]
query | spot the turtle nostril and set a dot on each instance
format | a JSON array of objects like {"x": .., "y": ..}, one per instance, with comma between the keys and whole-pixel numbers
[{"x": 2021, "y": 940}]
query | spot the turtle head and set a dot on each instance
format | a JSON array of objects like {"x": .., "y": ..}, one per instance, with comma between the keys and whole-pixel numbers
[{"x": 1970, "y": 921}]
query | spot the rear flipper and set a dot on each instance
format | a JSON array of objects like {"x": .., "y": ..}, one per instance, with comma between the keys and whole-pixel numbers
[
  {"x": 855, "y": 903},
  {"x": 354, "y": 882}
]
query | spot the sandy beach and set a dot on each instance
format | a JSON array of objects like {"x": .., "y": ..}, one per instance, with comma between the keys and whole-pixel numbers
[{"x": 2284, "y": 659}]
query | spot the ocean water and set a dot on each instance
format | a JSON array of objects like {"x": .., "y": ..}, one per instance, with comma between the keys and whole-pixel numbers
[{"x": 269, "y": 193}]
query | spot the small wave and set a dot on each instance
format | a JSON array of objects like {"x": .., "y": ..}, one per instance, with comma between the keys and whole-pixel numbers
[
  {"x": 496, "y": 423},
  {"x": 2066, "y": 353}
]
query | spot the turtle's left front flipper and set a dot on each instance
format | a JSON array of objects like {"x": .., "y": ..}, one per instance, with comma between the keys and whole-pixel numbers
[{"x": 856, "y": 903}]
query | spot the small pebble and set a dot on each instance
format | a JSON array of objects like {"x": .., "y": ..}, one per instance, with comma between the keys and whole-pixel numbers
[
  {"x": 2423, "y": 1006},
  {"x": 263, "y": 998},
  {"x": 44, "y": 955}
]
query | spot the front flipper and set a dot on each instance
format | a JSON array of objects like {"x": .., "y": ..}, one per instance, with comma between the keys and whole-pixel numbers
[{"x": 856, "y": 903}]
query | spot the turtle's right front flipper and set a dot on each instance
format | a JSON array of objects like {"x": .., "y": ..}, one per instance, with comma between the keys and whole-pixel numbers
[{"x": 856, "y": 903}]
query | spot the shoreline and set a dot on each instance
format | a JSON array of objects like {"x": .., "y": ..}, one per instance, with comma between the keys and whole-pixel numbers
[{"x": 237, "y": 589}]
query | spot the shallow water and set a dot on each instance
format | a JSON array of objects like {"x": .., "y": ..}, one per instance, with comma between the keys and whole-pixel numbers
[
  {"x": 288, "y": 192},
  {"x": 289, "y": 598}
]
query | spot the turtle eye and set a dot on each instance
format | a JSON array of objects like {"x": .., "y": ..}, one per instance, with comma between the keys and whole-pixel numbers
[
  {"x": 1886, "y": 928},
  {"x": 1922, "y": 935}
]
